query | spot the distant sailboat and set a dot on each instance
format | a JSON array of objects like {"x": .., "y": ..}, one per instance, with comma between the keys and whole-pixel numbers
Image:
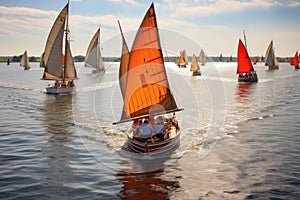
[
  {"x": 195, "y": 66},
  {"x": 245, "y": 69},
  {"x": 254, "y": 61},
  {"x": 58, "y": 67},
  {"x": 25, "y": 61},
  {"x": 270, "y": 58},
  {"x": 93, "y": 58},
  {"x": 295, "y": 61},
  {"x": 183, "y": 60},
  {"x": 202, "y": 57},
  {"x": 146, "y": 92}
]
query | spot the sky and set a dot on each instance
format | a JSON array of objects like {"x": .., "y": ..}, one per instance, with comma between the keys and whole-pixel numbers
[{"x": 214, "y": 25}]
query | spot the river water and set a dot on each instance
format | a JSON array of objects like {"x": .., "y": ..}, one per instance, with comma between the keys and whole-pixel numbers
[{"x": 238, "y": 141}]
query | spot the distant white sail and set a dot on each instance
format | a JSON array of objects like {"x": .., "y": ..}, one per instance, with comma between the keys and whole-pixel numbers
[{"x": 93, "y": 58}]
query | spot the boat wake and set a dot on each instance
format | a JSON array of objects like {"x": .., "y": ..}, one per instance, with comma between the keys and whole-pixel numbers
[
  {"x": 98, "y": 86},
  {"x": 20, "y": 87}
]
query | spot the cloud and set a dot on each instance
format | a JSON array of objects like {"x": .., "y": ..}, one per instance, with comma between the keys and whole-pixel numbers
[
  {"x": 210, "y": 7},
  {"x": 133, "y": 2}
]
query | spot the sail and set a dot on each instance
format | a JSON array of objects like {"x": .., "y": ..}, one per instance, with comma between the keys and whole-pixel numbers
[
  {"x": 147, "y": 84},
  {"x": 93, "y": 58},
  {"x": 186, "y": 59},
  {"x": 202, "y": 58},
  {"x": 69, "y": 69},
  {"x": 270, "y": 59},
  {"x": 25, "y": 61},
  {"x": 51, "y": 59},
  {"x": 181, "y": 58},
  {"x": 295, "y": 60},
  {"x": 124, "y": 63},
  {"x": 244, "y": 62},
  {"x": 254, "y": 60},
  {"x": 194, "y": 64}
]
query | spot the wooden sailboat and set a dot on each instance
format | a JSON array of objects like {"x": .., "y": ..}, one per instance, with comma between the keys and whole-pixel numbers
[
  {"x": 270, "y": 59},
  {"x": 146, "y": 92},
  {"x": 25, "y": 61},
  {"x": 183, "y": 59},
  {"x": 245, "y": 68},
  {"x": 195, "y": 66},
  {"x": 93, "y": 58},
  {"x": 254, "y": 61},
  {"x": 58, "y": 67},
  {"x": 295, "y": 61},
  {"x": 202, "y": 57}
]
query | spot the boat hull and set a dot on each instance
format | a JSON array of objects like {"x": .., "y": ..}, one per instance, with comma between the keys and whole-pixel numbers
[
  {"x": 297, "y": 67},
  {"x": 198, "y": 73},
  {"x": 59, "y": 90},
  {"x": 152, "y": 148},
  {"x": 248, "y": 79},
  {"x": 273, "y": 67}
]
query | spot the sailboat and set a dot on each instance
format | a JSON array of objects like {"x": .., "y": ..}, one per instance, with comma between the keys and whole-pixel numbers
[
  {"x": 202, "y": 57},
  {"x": 295, "y": 61},
  {"x": 195, "y": 66},
  {"x": 245, "y": 68},
  {"x": 93, "y": 58},
  {"x": 270, "y": 59},
  {"x": 59, "y": 67},
  {"x": 254, "y": 61},
  {"x": 183, "y": 59},
  {"x": 146, "y": 92},
  {"x": 25, "y": 61}
]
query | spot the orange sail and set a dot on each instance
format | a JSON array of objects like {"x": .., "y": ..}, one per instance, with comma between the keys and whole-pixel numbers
[
  {"x": 147, "y": 89},
  {"x": 295, "y": 61},
  {"x": 244, "y": 62}
]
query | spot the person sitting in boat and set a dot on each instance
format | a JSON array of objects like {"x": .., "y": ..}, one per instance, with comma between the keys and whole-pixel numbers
[
  {"x": 159, "y": 128},
  {"x": 57, "y": 84},
  {"x": 144, "y": 131},
  {"x": 63, "y": 84},
  {"x": 71, "y": 84},
  {"x": 135, "y": 125}
]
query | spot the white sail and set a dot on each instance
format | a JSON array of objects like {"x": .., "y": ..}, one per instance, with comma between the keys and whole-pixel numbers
[
  {"x": 93, "y": 58},
  {"x": 202, "y": 57},
  {"x": 25, "y": 61}
]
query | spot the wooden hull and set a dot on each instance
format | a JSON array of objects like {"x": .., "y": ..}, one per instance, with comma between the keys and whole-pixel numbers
[
  {"x": 297, "y": 67},
  {"x": 198, "y": 73},
  {"x": 182, "y": 65},
  {"x": 273, "y": 67},
  {"x": 26, "y": 68},
  {"x": 153, "y": 148},
  {"x": 248, "y": 79},
  {"x": 59, "y": 90}
]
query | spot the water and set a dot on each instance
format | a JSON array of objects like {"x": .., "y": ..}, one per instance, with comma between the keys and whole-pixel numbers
[{"x": 238, "y": 141}]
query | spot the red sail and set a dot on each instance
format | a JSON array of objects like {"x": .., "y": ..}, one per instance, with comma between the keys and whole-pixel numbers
[
  {"x": 295, "y": 60},
  {"x": 244, "y": 62}
]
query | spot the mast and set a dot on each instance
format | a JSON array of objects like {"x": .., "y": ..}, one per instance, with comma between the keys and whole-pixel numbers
[
  {"x": 245, "y": 39},
  {"x": 66, "y": 40}
]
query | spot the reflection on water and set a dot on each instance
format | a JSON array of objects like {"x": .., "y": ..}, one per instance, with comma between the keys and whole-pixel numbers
[
  {"x": 149, "y": 185},
  {"x": 58, "y": 127},
  {"x": 243, "y": 92}
]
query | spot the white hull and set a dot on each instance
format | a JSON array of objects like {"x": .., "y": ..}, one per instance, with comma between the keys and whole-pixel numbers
[{"x": 59, "y": 90}]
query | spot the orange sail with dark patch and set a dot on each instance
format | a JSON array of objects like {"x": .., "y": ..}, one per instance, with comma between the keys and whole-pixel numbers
[
  {"x": 147, "y": 89},
  {"x": 244, "y": 62}
]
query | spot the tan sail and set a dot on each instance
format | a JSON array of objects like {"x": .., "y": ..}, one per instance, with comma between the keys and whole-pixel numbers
[
  {"x": 124, "y": 63},
  {"x": 147, "y": 88},
  {"x": 52, "y": 58},
  {"x": 69, "y": 69},
  {"x": 270, "y": 58},
  {"x": 25, "y": 61},
  {"x": 202, "y": 57},
  {"x": 93, "y": 58},
  {"x": 194, "y": 65}
]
